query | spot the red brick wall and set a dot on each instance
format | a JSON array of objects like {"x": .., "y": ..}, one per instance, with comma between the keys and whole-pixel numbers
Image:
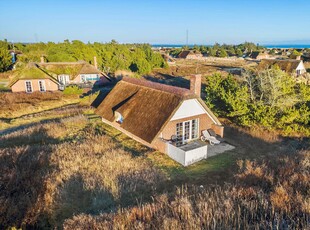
[{"x": 219, "y": 129}]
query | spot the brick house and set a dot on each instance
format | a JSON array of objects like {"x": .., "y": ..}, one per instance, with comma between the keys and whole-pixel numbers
[
  {"x": 33, "y": 79},
  {"x": 167, "y": 118}
]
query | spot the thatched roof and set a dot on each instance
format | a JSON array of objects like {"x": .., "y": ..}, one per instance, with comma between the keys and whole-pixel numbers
[
  {"x": 31, "y": 71},
  {"x": 256, "y": 54},
  {"x": 70, "y": 68},
  {"x": 288, "y": 65},
  {"x": 145, "y": 106},
  {"x": 185, "y": 53}
]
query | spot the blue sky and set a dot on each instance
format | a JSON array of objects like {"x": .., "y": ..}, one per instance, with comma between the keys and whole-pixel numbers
[{"x": 157, "y": 21}]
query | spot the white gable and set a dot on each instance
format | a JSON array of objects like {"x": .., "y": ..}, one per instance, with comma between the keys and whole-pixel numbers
[
  {"x": 189, "y": 108},
  {"x": 301, "y": 66}
]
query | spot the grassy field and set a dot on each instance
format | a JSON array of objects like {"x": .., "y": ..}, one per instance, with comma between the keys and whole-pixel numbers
[
  {"x": 62, "y": 167},
  {"x": 21, "y": 109}
]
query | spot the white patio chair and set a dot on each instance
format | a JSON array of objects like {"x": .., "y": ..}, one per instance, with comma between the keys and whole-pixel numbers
[{"x": 207, "y": 137}]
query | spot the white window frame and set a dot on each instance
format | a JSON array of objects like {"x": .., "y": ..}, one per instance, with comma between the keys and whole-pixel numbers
[
  {"x": 63, "y": 79},
  {"x": 30, "y": 87},
  {"x": 83, "y": 78},
  {"x": 43, "y": 85},
  {"x": 183, "y": 141}
]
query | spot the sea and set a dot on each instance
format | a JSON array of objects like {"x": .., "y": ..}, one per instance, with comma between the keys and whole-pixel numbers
[{"x": 296, "y": 46}]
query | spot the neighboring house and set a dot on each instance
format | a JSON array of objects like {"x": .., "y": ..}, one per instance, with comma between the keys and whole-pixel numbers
[
  {"x": 32, "y": 79},
  {"x": 74, "y": 72},
  {"x": 189, "y": 54},
  {"x": 167, "y": 118},
  {"x": 258, "y": 55},
  {"x": 60, "y": 73},
  {"x": 290, "y": 66}
]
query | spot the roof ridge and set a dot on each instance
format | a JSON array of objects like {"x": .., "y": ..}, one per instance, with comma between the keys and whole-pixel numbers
[{"x": 179, "y": 91}]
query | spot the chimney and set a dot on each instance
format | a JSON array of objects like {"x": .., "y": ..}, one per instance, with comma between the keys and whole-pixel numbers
[
  {"x": 95, "y": 62},
  {"x": 298, "y": 58},
  {"x": 195, "y": 84},
  {"x": 42, "y": 59}
]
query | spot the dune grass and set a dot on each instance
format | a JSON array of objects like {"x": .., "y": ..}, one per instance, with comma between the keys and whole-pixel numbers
[{"x": 75, "y": 172}]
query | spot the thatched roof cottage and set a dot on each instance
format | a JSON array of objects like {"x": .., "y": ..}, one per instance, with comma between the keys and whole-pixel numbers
[
  {"x": 51, "y": 76},
  {"x": 32, "y": 79},
  {"x": 290, "y": 66},
  {"x": 167, "y": 118},
  {"x": 74, "y": 72}
]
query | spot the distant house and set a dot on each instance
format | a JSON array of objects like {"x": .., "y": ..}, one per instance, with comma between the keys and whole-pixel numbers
[
  {"x": 167, "y": 118},
  {"x": 32, "y": 79},
  {"x": 189, "y": 54},
  {"x": 74, "y": 72},
  {"x": 290, "y": 66},
  {"x": 257, "y": 55},
  {"x": 60, "y": 73}
]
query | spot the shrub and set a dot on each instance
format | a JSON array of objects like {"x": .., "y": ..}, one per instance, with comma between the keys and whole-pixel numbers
[
  {"x": 269, "y": 98},
  {"x": 73, "y": 90}
]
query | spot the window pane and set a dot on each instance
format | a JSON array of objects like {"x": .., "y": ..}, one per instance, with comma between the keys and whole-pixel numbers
[
  {"x": 179, "y": 134},
  {"x": 41, "y": 86},
  {"x": 28, "y": 87},
  {"x": 194, "y": 128},
  {"x": 186, "y": 130}
]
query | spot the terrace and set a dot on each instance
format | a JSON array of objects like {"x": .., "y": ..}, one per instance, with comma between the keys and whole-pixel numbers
[{"x": 195, "y": 151}]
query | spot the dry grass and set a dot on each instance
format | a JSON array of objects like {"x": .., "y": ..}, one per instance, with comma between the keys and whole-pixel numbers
[
  {"x": 206, "y": 67},
  {"x": 51, "y": 171},
  {"x": 84, "y": 174},
  {"x": 243, "y": 205},
  {"x": 307, "y": 65},
  {"x": 25, "y": 109},
  {"x": 14, "y": 105}
]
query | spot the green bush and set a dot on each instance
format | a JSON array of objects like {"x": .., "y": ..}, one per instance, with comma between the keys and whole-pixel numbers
[
  {"x": 270, "y": 98},
  {"x": 73, "y": 90}
]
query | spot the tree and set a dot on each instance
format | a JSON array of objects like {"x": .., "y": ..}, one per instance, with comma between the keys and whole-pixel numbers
[
  {"x": 222, "y": 53},
  {"x": 212, "y": 52},
  {"x": 239, "y": 53},
  {"x": 5, "y": 59},
  {"x": 295, "y": 54}
]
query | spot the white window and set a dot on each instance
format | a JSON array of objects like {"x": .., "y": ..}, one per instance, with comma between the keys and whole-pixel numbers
[
  {"x": 28, "y": 87},
  {"x": 42, "y": 86},
  {"x": 195, "y": 129},
  {"x": 63, "y": 79},
  {"x": 298, "y": 72},
  {"x": 187, "y": 130},
  {"x": 179, "y": 134}
]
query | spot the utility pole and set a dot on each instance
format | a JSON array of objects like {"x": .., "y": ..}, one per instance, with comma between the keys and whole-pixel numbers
[{"x": 187, "y": 38}]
